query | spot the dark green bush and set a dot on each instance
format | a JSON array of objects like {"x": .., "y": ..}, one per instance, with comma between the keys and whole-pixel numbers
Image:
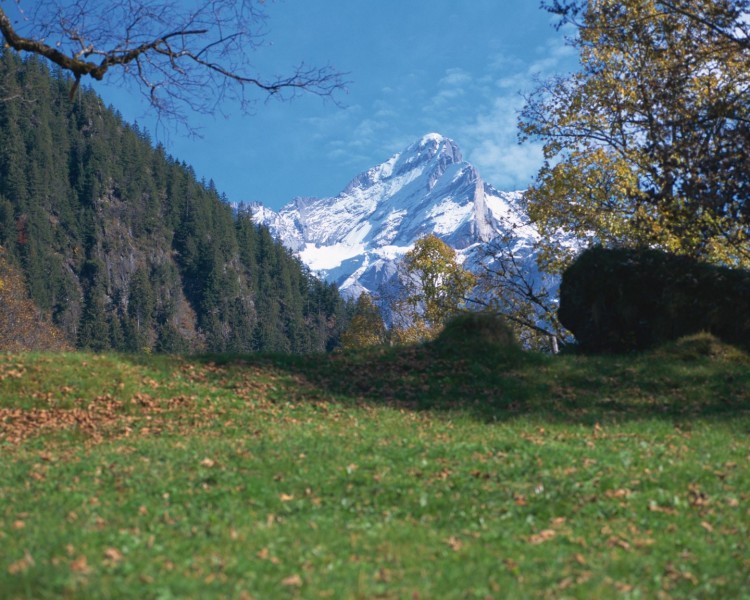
[
  {"x": 477, "y": 331},
  {"x": 616, "y": 300},
  {"x": 701, "y": 346}
]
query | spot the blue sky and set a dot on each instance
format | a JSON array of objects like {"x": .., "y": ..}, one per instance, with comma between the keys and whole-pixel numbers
[{"x": 456, "y": 67}]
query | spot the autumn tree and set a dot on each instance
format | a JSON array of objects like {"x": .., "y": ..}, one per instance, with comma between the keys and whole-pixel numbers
[
  {"x": 183, "y": 56},
  {"x": 724, "y": 17},
  {"x": 366, "y": 327},
  {"x": 22, "y": 326},
  {"x": 434, "y": 287},
  {"x": 649, "y": 142}
]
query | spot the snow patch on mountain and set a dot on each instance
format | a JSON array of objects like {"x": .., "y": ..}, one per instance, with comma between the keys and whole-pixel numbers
[{"x": 356, "y": 238}]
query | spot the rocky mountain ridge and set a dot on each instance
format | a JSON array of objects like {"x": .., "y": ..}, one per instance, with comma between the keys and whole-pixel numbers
[{"x": 355, "y": 238}]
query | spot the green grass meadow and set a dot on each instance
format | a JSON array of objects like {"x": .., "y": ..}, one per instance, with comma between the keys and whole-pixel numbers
[{"x": 418, "y": 472}]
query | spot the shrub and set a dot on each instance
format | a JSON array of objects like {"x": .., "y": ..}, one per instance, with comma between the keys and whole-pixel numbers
[
  {"x": 477, "y": 331},
  {"x": 701, "y": 346},
  {"x": 616, "y": 300}
]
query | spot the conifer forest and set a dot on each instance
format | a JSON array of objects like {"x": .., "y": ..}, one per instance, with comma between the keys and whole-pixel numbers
[{"x": 123, "y": 248}]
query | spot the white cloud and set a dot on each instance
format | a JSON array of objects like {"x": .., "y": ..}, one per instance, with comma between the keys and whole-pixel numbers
[
  {"x": 451, "y": 88},
  {"x": 490, "y": 137},
  {"x": 554, "y": 55},
  {"x": 492, "y": 145},
  {"x": 455, "y": 77},
  {"x": 478, "y": 109}
]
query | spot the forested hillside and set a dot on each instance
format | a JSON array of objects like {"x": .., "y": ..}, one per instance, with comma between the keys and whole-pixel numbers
[{"x": 123, "y": 248}]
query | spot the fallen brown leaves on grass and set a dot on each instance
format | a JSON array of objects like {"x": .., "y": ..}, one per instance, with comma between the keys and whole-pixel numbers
[
  {"x": 543, "y": 536},
  {"x": 21, "y": 565},
  {"x": 80, "y": 565},
  {"x": 454, "y": 543},
  {"x": 113, "y": 556},
  {"x": 103, "y": 415},
  {"x": 17, "y": 424},
  {"x": 292, "y": 581}
]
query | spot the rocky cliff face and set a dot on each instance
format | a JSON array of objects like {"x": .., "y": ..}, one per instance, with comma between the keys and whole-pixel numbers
[{"x": 355, "y": 238}]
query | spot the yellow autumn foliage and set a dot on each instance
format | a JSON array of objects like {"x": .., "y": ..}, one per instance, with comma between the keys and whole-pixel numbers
[
  {"x": 647, "y": 144},
  {"x": 22, "y": 325}
]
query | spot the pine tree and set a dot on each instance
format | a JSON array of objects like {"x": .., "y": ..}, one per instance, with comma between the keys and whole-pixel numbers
[
  {"x": 141, "y": 305},
  {"x": 94, "y": 328}
]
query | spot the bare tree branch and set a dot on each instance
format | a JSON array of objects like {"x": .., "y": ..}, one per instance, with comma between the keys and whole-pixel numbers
[
  {"x": 182, "y": 56},
  {"x": 513, "y": 317},
  {"x": 508, "y": 286}
]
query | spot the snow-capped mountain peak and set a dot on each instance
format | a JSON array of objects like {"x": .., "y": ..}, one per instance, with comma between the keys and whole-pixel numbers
[{"x": 356, "y": 237}]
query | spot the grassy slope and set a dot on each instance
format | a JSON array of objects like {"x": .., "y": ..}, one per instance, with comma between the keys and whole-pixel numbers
[{"x": 407, "y": 473}]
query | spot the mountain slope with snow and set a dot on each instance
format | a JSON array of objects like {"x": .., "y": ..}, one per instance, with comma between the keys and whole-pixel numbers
[{"x": 356, "y": 237}]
